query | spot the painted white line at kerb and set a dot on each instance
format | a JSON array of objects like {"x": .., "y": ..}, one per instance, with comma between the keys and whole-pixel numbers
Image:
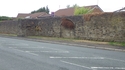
[
  {"x": 23, "y": 44},
  {"x": 53, "y": 48},
  {"x": 109, "y": 68},
  {"x": 83, "y": 45},
  {"x": 26, "y": 47},
  {"x": 52, "y": 51},
  {"x": 40, "y": 48},
  {"x": 101, "y": 58},
  {"x": 76, "y": 64}
]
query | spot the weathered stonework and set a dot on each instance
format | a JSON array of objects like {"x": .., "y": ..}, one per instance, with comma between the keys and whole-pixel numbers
[
  {"x": 9, "y": 27},
  {"x": 98, "y": 27},
  {"x": 105, "y": 27}
]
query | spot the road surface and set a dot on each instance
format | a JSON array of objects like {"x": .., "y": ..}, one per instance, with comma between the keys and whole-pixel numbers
[{"x": 18, "y": 54}]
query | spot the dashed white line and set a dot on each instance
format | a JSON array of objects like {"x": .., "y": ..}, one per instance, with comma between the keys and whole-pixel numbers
[
  {"x": 115, "y": 59},
  {"x": 24, "y": 51},
  {"x": 76, "y": 64},
  {"x": 31, "y": 53},
  {"x": 52, "y": 51},
  {"x": 76, "y": 57},
  {"x": 18, "y": 50}
]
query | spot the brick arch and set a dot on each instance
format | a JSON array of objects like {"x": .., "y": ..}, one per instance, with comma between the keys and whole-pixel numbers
[{"x": 67, "y": 23}]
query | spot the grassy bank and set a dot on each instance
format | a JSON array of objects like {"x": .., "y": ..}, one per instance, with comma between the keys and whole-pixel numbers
[
  {"x": 51, "y": 38},
  {"x": 78, "y": 40},
  {"x": 117, "y": 43},
  {"x": 71, "y": 40},
  {"x": 8, "y": 34}
]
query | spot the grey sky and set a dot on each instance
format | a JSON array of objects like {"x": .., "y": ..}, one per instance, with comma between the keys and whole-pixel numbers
[{"x": 13, "y": 7}]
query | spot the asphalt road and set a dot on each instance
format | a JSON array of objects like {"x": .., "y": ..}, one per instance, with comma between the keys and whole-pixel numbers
[{"x": 18, "y": 54}]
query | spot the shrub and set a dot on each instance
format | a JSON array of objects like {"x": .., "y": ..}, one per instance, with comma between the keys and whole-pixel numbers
[{"x": 81, "y": 10}]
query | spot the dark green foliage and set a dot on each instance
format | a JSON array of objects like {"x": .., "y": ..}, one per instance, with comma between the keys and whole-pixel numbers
[
  {"x": 73, "y": 6},
  {"x": 68, "y": 6},
  {"x": 33, "y": 11},
  {"x": 2, "y": 18},
  {"x": 42, "y": 9}
]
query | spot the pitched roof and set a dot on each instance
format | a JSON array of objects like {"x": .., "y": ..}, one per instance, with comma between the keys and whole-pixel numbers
[
  {"x": 70, "y": 11},
  {"x": 22, "y": 15},
  {"x": 122, "y": 9},
  {"x": 34, "y": 15},
  {"x": 65, "y": 12}
]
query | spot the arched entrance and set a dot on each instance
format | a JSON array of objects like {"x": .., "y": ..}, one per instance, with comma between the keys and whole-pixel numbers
[{"x": 67, "y": 28}]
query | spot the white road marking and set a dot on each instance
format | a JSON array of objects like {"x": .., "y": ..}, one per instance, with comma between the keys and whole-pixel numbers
[
  {"x": 115, "y": 59},
  {"x": 57, "y": 50},
  {"x": 91, "y": 46},
  {"x": 20, "y": 44},
  {"x": 94, "y": 68},
  {"x": 101, "y": 58},
  {"x": 27, "y": 47},
  {"x": 109, "y": 68},
  {"x": 118, "y": 50},
  {"x": 95, "y": 58},
  {"x": 18, "y": 50},
  {"x": 83, "y": 45},
  {"x": 73, "y": 44},
  {"x": 24, "y": 51},
  {"x": 63, "y": 43},
  {"x": 31, "y": 53},
  {"x": 109, "y": 48},
  {"x": 39, "y": 47},
  {"x": 52, "y": 51},
  {"x": 10, "y": 47},
  {"x": 76, "y": 64}
]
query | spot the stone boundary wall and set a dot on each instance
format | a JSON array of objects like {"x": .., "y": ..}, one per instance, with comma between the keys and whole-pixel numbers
[
  {"x": 104, "y": 27},
  {"x": 9, "y": 27},
  {"x": 95, "y": 26}
]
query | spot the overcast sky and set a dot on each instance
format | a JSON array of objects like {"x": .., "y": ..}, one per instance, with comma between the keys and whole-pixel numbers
[{"x": 12, "y": 7}]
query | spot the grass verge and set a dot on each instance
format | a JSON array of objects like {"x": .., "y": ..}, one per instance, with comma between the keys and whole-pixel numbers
[
  {"x": 117, "y": 43},
  {"x": 78, "y": 40},
  {"x": 8, "y": 34},
  {"x": 72, "y": 40},
  {"x": 51, "y": 38},
  {"x": 67, "y": 39}
]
